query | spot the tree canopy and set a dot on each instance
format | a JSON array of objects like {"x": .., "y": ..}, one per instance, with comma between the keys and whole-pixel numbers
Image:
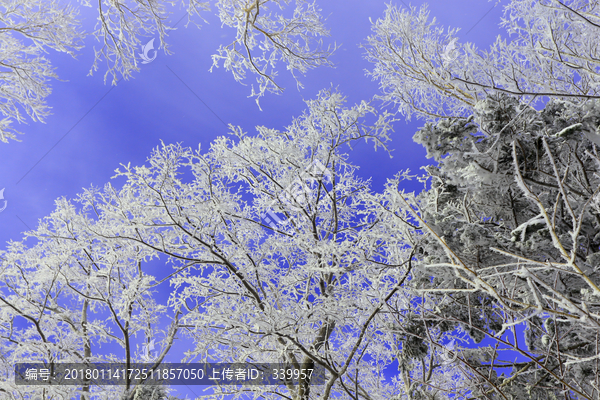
[{"x": 265, "y": 34}]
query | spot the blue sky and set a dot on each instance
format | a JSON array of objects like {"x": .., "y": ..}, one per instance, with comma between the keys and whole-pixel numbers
[{"x": 95, "y": 127}]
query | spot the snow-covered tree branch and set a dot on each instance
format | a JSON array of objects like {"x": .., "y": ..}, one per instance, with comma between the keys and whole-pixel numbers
[
  {"x": 259, "y": 24},
  {"x": 267, "y": 33},
  {"x": 313, "y": 289},
  {"x": 512, "y": 242},
  {"x": 66, "y": 296},
  {"x": 509, "y": 220},
  {"x": 283, "y": 39},
  {"x": 27, "y": 28},
  {"x": 424, "y": 71}
]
